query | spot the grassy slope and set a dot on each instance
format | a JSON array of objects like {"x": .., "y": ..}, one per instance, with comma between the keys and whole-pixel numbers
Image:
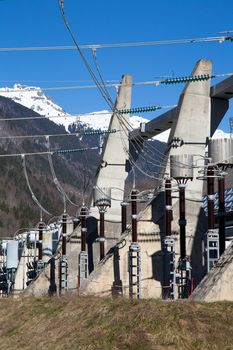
[{"x": 91, "y": 323}]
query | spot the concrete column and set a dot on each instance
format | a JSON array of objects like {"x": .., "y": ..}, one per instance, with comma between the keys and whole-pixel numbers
[
  {"x": 115, "y": 154},
  {"x": 113, "y": 172}
]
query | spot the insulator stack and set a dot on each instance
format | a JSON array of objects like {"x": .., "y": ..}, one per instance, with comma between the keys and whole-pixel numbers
[
  {"x": 83, "y": 256},
  {"x": 101, "y": 236},
  {"x": 134, "y": 197},
  {"x": 123, "y": 216},
  {"x": 83, "y": 220},
  {"x": 221, "y": 214},
  {"x": 40, "y": 247},
  {"x": 64, "y": 231},
  {"x": 210, "y": 194},
  {"x": 168, "y": 207},
  {"x": 182, "y": 221}
]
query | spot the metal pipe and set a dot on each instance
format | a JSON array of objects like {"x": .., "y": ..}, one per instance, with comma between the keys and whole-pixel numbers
[
  {"x": 221, "y": 213},
  {"x": 134, "y": 215},
  {"x": 64, "y": 223},
  {"x": 123, "y": 216},
  {"x": 40, "y": 247},
  {"x": 210, "y": 194},
  {"x": 83, "y": 218},
  {"x": 168, "y": 207},
  {"x": 101, "y": 237},
  {"x": 182, "y": 221}
]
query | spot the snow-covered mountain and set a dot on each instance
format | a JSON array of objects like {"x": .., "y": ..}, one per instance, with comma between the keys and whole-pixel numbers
[{"x": 35, "y": 99}]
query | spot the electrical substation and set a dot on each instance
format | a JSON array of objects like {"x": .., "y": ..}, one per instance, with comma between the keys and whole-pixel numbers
[{"x": 173, "y": 241}]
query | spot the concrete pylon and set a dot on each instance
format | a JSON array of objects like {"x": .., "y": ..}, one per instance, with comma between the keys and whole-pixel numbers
[
  {"x": 193, "y": 126},
  {"x": 112, "y": 172}
]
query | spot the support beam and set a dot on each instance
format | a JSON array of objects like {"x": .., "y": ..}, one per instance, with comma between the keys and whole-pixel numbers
[
  {"x": 219, "y": 94},
  {"x": 223, "y": 90},
  {"x": 219, "y": 107},
  {"x": 156, "y": 126}
]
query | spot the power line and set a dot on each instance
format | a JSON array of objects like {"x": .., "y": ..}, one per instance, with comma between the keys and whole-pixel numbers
[
  {"x": 34, "y": 198},
  {"x": 56, "y": 151},
  {"x": 55, "y": 179},
  {"x": 132, "y": 110},
  {"x": 177, "y": 80},
  {"x": 102, "y": 88},
  {"x": 219, "y": 39},
  {"x": 85, "y": 61},
  {"x": 83, "y": 133},
  {"x": 52, "y": 81}
]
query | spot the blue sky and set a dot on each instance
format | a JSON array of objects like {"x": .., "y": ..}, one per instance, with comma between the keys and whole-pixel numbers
[{"x": 39, "y": 23}]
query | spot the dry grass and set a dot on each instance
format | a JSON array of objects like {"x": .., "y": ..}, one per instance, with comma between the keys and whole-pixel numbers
[{"x": 92, "y": 323}]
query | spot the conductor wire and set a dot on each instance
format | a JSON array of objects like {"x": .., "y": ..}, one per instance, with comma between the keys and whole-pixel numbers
[{"x": 30, "y": 189}]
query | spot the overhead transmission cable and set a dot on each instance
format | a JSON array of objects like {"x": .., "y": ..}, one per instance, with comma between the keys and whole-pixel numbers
[
  {"x": 55, "y": 179},
  {"x": 102, "y": 88},
  {"x": 97, "y": 114},
  {"x": 132, "y": 161},
  {"x": 61, "y": 5},
  {"x": 101, "y": 85},
  {"x": 219, "y": 39},
  {"x": 86, "y": 177},
  {"x": 76, "y": 134},
  {"x": 56, "y": 151},
  {"x": 109, "y": 99},
  {"x": 34, "y": 198},
  {"x": 116, "y": 111}
]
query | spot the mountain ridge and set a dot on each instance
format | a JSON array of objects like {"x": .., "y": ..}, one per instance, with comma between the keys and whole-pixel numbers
[
  {"x": 17, "y": 208},
  {"x": 35, "y": 99}
]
